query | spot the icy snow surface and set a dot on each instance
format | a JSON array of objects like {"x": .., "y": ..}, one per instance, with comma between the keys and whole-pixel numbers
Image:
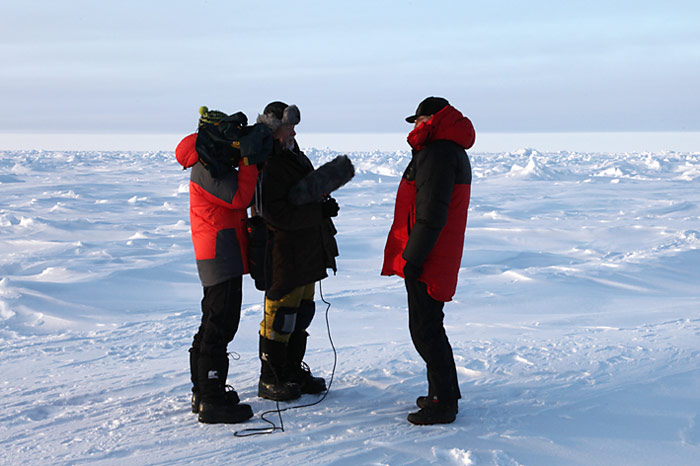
[{"x": 575, "y": 327}]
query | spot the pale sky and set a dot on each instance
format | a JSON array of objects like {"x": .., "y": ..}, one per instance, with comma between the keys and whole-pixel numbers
[{"x": 351, "y": 66}]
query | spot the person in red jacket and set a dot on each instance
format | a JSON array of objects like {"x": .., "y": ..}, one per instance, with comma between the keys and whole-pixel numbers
[
  {"x": 218, "y": 202},
  {"x": 426, "y": 240}
]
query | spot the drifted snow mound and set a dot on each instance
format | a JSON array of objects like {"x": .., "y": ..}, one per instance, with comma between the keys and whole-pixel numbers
[
  {"x": 535, "y": 169},
  {"x": 390, "y": 164}
]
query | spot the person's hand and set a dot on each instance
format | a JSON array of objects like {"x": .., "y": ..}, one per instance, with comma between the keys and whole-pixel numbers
[
  {"x": 411, "y": 271},
  {"x": 329, "y": 208}
]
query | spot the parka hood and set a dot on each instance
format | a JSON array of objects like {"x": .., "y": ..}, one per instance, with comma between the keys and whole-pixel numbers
[
  {"x": 449, "y": 124},
  {"x": 186, "y": 153}
]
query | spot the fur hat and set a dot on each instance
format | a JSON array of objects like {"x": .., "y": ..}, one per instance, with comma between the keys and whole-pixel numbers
[{"x": 278, "y": 113}]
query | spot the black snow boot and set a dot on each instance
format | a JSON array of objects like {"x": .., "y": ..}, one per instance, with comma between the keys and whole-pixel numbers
[
  {"x": 453, "y": 393},
  {"x": 231, "y": 394},
  {"x": 221, "y": 411},
  {"x": 299, "y": 372},
  {"x": 425, "y": 401},
  {"x": 216, "y": 404},
  {"x": 435, "y": 412},
  {"x": 274, "y": 382}
]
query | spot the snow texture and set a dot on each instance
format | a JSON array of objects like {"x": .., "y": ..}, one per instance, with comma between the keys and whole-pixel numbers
[{"x": 575, "y": 327}]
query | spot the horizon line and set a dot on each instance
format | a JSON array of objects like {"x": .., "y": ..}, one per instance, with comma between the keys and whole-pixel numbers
[{"x": 486, "y": 142}]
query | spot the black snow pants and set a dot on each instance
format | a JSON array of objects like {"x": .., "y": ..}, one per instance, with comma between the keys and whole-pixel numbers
[
  {"x": 425, "y": 322},
  {"x": 221, "y": 314}
]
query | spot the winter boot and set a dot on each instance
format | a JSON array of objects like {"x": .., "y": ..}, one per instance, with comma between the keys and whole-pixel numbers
[
  {"x": 221, "y": 411},
  {"x": 222, "y": 371},
  {"x": 274, "y": 382},
  {"x": 299, "y": 372},
  {"x": 425, "y": 401},
  {"x": 435, "y": 412},
  {"x": 231, "y": 396},
  {"x": 453, "y": 393},
  {"x": 216, "y": 405}
]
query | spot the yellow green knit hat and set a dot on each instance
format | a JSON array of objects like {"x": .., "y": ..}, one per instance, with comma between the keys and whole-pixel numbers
[{"x": 210, "y": 116}]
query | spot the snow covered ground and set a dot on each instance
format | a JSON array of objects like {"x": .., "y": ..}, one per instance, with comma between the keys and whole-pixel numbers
[{"x": 575, "y": 327}]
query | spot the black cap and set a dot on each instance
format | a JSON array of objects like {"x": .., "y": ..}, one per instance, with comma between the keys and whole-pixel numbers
[{"x": 429, "y": 106}]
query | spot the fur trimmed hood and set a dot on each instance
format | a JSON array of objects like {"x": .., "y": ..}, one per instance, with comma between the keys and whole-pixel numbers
[{"x": 277, "y": 114}]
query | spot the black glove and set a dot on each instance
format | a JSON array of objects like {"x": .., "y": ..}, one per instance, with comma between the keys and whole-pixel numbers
[
  {"x": 411, "y": 271},
  {"x": 329, "y": 208}
]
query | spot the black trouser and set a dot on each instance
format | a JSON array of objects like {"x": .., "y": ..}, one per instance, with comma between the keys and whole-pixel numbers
[
  {"x": 221, "y": 314},
  {"x": 425, "y": 321}
]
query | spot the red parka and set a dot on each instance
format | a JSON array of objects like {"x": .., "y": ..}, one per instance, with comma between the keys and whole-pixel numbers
[
  {"x": 430, "y": 216},
  {"x": 218, "y": 214}
]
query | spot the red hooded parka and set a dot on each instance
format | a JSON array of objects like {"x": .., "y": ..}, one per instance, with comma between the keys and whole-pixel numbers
[{"x": 430, "y": 216}]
